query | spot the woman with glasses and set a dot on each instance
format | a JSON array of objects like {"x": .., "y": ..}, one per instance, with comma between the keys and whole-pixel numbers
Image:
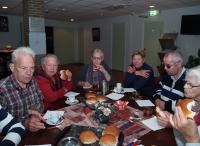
[
  {"x": 186, "y": 130},
  {"x": 140, "y": 75},
  {"x": 49, "y": 81},
  {"x": 95, "y": 72}
]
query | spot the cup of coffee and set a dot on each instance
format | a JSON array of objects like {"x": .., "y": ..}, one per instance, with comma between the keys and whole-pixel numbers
[
  {"x": 71, "y": 99},
  {"x": 119, "y": 87}
]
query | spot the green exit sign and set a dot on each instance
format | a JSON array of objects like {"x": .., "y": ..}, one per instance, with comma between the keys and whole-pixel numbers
[{"x": 153, "y": 12}]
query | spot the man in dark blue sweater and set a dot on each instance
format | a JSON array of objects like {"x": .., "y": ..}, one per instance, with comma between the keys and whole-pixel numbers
[{"x": 171, "y": 85}]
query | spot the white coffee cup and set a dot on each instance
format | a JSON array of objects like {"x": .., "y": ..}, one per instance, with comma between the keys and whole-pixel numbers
[
  {"x": 53, "y": 117},
  {"x": 71, "y": 99},
  {"x": 119, "y": 87}
]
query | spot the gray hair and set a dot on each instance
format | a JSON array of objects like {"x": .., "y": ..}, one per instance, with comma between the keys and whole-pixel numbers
[
  {"x": 98, "y": 51},
  {"x": 22, "y": 51},
  {"x": 194, "y": 72},
  {"x": 44, "y": 59},
  {"x": 176, "y": 56}
]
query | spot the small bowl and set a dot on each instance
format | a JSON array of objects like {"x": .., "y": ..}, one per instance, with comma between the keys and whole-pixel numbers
[{"x": 69, "y": 141}]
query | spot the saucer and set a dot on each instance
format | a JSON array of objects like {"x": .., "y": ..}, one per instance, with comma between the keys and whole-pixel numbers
[
  {"x": 87, "y": 87},
  {"x": 71, "y": 103},
  {"x": 55, "y": 123}
]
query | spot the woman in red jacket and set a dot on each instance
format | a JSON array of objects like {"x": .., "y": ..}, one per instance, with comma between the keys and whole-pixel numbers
[{"x": 49, "y": 81}]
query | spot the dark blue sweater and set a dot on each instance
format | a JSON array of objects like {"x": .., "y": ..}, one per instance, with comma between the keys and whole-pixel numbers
[
  {"x": 170, "y": 94},
  {"x": 146, "y": 86}
]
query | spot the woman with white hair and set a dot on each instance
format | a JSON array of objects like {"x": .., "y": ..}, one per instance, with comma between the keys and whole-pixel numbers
[
  {"x": 186, "y": 130},
  {"x": 50, "y": 82}
]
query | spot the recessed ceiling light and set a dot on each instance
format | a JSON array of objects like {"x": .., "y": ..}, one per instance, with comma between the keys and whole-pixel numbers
[
  {"x": 4, "y": 7},
  {"x": 152, "y": 6},
  {"x": 72, "y": 20}
]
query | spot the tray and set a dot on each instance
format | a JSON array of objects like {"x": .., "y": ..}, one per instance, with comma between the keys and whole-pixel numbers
[{"x": 75, "y": 130}]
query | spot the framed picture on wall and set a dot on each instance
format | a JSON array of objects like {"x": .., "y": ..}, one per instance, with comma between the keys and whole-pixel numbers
[
  {"x": 3, "y": 24},
  {"x": 96, "y": 34}
]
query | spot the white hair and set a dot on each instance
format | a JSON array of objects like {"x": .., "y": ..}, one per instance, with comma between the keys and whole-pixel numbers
[
  {"x": 176, "y": 56},
  {"x": 97, "y": 50},
  {"x": 44, "y": 59},
  {"x": 194, "y": 72},
  {"x": 23, "y": 51}
]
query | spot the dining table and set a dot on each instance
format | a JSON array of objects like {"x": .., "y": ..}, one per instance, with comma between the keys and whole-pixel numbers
[{"x": 162, "y": 137}]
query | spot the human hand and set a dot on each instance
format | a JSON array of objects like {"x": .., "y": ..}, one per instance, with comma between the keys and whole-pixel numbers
[
  {"x": 163, "y": 117},
  {"x": 87, "y": 84},
  {"x": 161, "y": 104},
  {"x": 187, "y": 127},
  {"x": 69, "y": 75},
  {"x": 131, "y": 69},
  {"x": 143, "y": 73},
  {"x": 35, "y": 122},
  {"x": 100, "y": 68}
]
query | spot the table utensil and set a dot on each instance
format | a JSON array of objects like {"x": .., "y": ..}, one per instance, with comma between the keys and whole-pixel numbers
[{"x": 69, "y": 141}]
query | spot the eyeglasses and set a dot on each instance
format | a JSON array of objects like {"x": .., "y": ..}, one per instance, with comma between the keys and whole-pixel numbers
[
  {"x": 168, "y": 66},
  {"x": 190, "y": 85}
]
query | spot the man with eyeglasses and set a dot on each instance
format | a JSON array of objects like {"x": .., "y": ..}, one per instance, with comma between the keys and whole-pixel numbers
[
  {"x": 19, "y": 92},
  {"x": 171, "y": 85}
]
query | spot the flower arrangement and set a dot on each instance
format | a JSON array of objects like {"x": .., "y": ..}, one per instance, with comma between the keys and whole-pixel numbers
[{"x": 103, "y": 111}]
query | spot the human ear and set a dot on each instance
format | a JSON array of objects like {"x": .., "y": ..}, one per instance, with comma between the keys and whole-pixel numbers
[{"x": 12, "y": 66}]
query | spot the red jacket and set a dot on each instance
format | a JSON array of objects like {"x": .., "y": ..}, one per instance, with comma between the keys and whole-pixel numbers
[{"x": 51, "y": 96}]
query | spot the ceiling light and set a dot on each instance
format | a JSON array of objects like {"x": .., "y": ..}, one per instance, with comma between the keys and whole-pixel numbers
[
  {"x": 152, "y": 6},
  {"x": 72, "y": 20},
  {"x": 4, "y": 7}
]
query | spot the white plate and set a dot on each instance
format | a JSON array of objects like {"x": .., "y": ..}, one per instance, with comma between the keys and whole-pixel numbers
[
  {"x": 115, "y": 96},
  {"x": 87, "y": 87},
  {"x": 71, "y": 103},
  {"x": 56, "y": 123},
  {"x": 70, "y": 93}
]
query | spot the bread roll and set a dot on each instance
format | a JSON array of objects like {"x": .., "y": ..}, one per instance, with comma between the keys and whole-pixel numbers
[
  {"x": 101, "y": 98},
  {"x": 91, "y": 100},
  {"x": 186, "y": 106},
  {"x": 90, "y": 94},
  {"x": 108, "y": 140},
  {"x": 88, "y": 137},
  {"x": 113, "y": 130},
  {"x": 63, "y": 75},
  {"x": 159, "y": 112}
]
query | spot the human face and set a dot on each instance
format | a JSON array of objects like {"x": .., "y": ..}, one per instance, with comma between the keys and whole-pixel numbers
[
  {"x": 51, "y": 66},
  {"x": 192, "y": 88},
  {"x": 23, "y": 69},
  {"x": 137, "y": 61},
  {"x": 97, "y": 59},
  {"x": 172, "y": 68}
]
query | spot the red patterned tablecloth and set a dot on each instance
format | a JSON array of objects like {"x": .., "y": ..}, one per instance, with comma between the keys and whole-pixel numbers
[{"x": 80, "y": 115}]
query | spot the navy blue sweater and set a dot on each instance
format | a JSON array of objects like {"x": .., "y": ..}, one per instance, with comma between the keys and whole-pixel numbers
[
  {"x": 146, "y": 86},
  {"x": 170, "y": 94}
]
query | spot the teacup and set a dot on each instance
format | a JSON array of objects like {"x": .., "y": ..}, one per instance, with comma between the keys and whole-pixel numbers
[
  {"x": 119, "y": 87},
  {"x": 71, "y": 99},
  {"x": 53, "y": 118}
]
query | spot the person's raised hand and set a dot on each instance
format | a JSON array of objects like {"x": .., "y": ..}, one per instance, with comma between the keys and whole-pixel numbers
[{"x": 187, "y": 127}]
